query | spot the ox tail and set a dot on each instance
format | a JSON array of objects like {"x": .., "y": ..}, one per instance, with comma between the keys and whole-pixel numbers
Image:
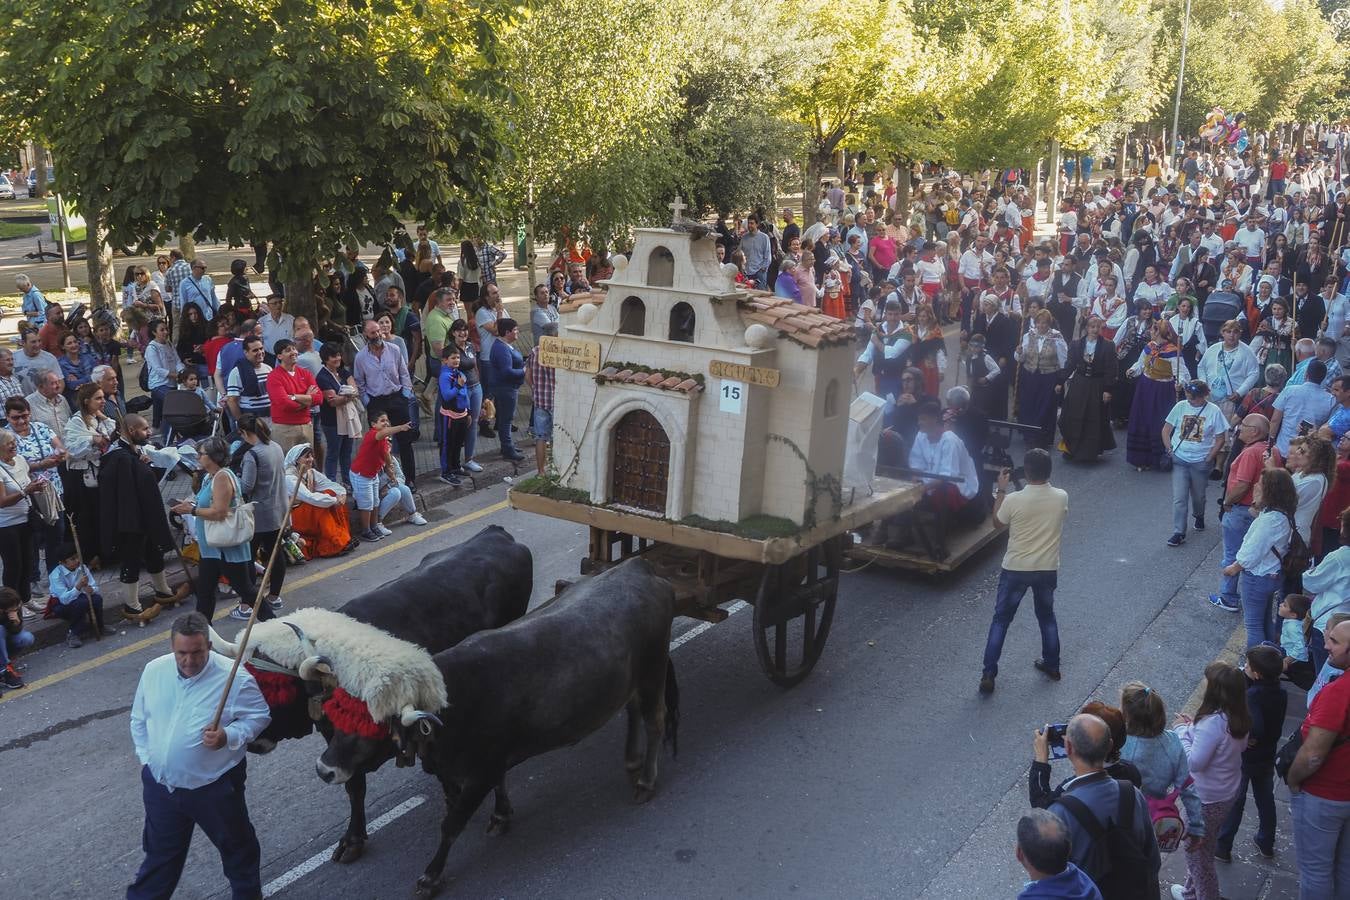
[{"x": 672, "y": 709}]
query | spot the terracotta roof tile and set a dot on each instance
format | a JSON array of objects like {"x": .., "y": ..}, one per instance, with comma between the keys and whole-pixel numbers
[
  {"x": 804, "y": 324},
  {"x": 660, "y": 380}
]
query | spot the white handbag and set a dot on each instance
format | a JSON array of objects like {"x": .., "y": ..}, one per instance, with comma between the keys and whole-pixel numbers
[{"x": 237, "y": 526}]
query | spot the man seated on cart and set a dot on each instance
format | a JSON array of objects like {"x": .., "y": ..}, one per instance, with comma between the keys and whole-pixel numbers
[{"x": 951, "y": 496}]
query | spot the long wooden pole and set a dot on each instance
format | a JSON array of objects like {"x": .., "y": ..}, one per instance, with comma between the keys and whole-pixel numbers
[
  {"x": 79, "y": 556},
  {"x": 258, "y": 600}
]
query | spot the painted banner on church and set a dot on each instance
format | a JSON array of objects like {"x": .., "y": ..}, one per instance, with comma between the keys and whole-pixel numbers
[{"x": 574, "y": 356}]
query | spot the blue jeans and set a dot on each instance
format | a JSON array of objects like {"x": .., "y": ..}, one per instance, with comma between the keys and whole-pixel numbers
[
  {"x": 157, "y": 406},
  {"x": 1235, "y": 524},
  {"x": 15, "y": 644},
  {"x": 1189, "y": 479},
  {"x": 1322, "y": 835},
  {"x": 1012, "y": 587},
  {"x": 505, "y": 399},
  {"x": 758, "y": 279},
  {"x": 170, "y": 816},
  {"x": 1257, "y": 593},
  {"x": 475, "y": 408},
  {"x": 337, "y": 453},
  {"x": 1263, "y": 792},
  {"x": 76, "y": 612}
]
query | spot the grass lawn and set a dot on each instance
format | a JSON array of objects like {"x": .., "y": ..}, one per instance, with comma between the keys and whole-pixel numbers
[
  {"x": 25, "y": 206},
  {"x": 11, "y": 230}
]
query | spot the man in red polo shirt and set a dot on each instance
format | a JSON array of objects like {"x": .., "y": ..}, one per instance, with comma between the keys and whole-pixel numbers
[
  {"x": 1235, "y": 512},
  {"x": 1319, "y": 783},
  {"x": 292, "y": 391}
]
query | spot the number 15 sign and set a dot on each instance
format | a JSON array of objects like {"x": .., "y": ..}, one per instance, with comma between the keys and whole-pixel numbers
[{"x": 732, "y": 396}]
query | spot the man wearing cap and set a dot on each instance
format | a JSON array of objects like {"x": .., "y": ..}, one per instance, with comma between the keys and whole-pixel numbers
[{"x": 1194, "y": 434}]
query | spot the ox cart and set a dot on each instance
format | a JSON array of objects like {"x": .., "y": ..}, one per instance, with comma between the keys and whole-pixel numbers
[{"x": 792, "y": 581}]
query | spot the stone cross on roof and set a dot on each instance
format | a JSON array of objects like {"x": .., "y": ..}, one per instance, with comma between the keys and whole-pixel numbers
[{"x": 676, "y": 208}]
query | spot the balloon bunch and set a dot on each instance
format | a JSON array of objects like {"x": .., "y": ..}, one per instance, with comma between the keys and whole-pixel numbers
[{"x": 1221, "y": 128}]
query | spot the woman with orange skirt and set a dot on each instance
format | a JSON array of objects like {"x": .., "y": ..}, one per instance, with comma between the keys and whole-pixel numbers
[
  {"x": 930, "y": 349},
  {"x": 320, "y": 514}
]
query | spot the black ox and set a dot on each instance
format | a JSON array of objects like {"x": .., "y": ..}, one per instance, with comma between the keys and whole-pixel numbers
[
  {"x": 542, "y": 682},
  {"x": 482, "y": 583}
]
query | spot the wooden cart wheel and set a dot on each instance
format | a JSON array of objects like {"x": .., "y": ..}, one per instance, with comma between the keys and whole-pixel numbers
[{"x": 793, "y": 611}]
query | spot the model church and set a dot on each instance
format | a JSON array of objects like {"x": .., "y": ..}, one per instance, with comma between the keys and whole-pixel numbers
[{"x": 681, "y": 394}]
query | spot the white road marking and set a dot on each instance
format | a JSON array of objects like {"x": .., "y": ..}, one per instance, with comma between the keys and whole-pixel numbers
[
  {"x": 704, "y": 626},
  {"x": 289, "y": 878}
]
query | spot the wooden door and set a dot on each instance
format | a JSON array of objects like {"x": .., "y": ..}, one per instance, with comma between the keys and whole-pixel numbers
[{"x": 641, "y": 462}]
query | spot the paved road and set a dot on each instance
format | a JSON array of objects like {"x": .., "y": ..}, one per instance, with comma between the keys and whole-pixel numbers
[{"x": 883, "y": 775}]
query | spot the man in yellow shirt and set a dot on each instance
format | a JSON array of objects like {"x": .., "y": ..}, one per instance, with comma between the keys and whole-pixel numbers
[{"x": 1035, "y": 520}]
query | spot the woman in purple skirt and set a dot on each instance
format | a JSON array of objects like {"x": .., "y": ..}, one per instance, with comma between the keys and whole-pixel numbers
[{"x": 1159, "y": 371}]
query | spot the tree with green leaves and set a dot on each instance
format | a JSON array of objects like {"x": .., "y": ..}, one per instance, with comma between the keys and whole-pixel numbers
[{"x": 309, "y": 123}]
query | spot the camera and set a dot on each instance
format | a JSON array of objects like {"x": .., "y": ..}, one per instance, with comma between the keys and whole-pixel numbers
[{"x": 1054, "y": 736}]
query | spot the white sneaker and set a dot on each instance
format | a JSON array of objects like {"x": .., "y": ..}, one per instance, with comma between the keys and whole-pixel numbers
[
  {"x": 379, "y": 526},
  {"x": 473, "y": 466},
  {"x": 417, "y": 519},
  {"x": 35, "y": 607},
  {"x": 1178, "y": 892}
]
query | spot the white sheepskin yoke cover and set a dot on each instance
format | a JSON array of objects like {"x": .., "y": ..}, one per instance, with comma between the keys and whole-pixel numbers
[{"x": 370, "y": 664}]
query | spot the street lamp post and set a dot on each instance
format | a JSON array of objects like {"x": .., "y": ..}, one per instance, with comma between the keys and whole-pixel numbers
[{"x": 1181, "y": 78}]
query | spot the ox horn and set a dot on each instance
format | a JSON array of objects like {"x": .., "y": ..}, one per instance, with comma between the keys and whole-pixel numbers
[
  {"x": 410, "y": 716},
  {"x": 315, "y": 667},
  {"x": 222, "y": 646}
]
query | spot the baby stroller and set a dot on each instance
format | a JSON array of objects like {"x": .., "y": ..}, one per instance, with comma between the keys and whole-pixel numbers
[
  {"x": 1219, "y": 308},
  {"x": 187, "y": 416}
]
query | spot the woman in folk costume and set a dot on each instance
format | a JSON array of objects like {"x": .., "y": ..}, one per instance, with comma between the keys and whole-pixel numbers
[
  {"x": 1130, "y": 341},
  {"x": 1043, "y": 354},
  {"x": 1085, "y": 419},
  {"x": 1158, "y": 372},
  {"x": 1190, "y": 334},
  {"x": 929, "y": 354},
  {"x": 1274, "y": 340},
  {"x": 1110, "y": 306},
  {"x": 320, "y": 513},
  {"x": 834, "y": 303}
]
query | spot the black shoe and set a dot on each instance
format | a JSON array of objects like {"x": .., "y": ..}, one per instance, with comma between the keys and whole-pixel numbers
[
  {"x": 1176, "y": 540},
  {"x": 987, "y": 684},
  {"x": 513, "y": 455},
  {"x": 1199, "y": 523},
  {"x": 1052, "y": 674},
  {"x": 1266, "y": 853},
  {"x": 1223, "y": 854},
  {"x": 10, "y": 679}
]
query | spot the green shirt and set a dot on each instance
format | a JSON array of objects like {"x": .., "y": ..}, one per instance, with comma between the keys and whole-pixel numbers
[{"x": 436, "y": 327}]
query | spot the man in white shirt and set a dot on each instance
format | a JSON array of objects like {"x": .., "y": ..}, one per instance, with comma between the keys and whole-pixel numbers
[
  {"x": 198, "y": 290},
  {"x": 276, "y": 324},
  {"x": 1194, "y": 434},
  {"x": 1302, "y": 403},
  {"x": 48, "y": 405},
  {"x": 32, "y": 360},
  {"x": 951, "y": 482},
  {"x": 192, "y": 774},
  {"x": 976, "y": 264},
  {"x": 1211, "y": 241},
  {"x": 1252, "y": 240}
]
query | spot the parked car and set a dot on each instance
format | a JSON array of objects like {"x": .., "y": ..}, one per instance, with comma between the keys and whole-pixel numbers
[
  {"x": 6, "y": 188},
  {"x": 32, "y": 179}
]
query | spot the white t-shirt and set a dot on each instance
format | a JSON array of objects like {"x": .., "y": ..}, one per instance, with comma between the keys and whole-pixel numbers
[
  {"x": 1195, "y": 429},
  {"x": 1311, "y": 489},
  {"x": 929, "y": 271},
  {"x": 1252, "y": 242}
]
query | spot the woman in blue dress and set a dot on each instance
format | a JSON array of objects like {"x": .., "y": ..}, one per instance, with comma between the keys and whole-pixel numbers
[{"x": 219, "y": 493}]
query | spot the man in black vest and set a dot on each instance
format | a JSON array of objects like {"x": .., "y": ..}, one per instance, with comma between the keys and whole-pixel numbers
[{"x": 132, "y": 520}]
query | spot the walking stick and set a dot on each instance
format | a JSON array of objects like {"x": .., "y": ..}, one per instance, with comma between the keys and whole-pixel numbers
[
  {"x": 79, "y": 555},
  {"x": 258, "y": 600}
]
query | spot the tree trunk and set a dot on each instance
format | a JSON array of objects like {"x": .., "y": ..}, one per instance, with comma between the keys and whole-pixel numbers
[
  {"x": 98, "y": 259},
  {"x": 187, "y": 246},
  {"x": 40, "y": 170},
  {"x": 1052, "y": 184},
  {"x": 1036, "y": 189},
  {"x": 902, "y": 189},
  {"x": 815, "y": 168},
  {"x": 300, "y": 300}
]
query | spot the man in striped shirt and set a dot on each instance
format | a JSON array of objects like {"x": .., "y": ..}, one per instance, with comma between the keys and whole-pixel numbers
[
  {"x": 541, "y": 379},
  {"x": 246, "y": 384}
]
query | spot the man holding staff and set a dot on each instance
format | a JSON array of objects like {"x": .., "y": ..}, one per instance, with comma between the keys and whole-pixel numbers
[{"x": 192, "y": 773}]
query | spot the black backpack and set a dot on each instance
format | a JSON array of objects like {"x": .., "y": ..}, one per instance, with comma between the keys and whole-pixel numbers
[{"x": 1121, "y": 868}]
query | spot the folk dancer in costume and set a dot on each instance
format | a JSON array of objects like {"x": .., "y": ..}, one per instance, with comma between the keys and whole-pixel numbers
[
  {"x": 1000, "y": 340},
  {"x": 1130, "y": 341},
  {"x": 1153, "y": 289},
  {"x": 1036, "y": 287},
  {"x": 1235, "y": 275},
  {"x": 931, "y": 272},
  {"x": 1109, "y": 306},
  {"x": 1043, "y": 353},
  {"x": 1274, "y": 339},
  {"x": 133, "y": 524},
  {"x": 1155, "y": 394},
  {"x": 929, "y": 353},
  {"x": 887, "y": 351},
  {"x": 937, "y": 451},
  {"x": 1186, "y": 323},
  {"x": 1085, "y": 419},
  {"x": 988, "y": 387}
]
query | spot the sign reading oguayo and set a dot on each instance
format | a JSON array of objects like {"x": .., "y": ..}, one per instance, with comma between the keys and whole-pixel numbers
[
  {"x": 749, "y": 374},
  {"x": 574, "y": 356}
]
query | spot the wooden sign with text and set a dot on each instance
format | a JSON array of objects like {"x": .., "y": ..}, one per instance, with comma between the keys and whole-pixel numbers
[
  {"x": 574, "y": 356},
  {"x": 749, "y": 374}
]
